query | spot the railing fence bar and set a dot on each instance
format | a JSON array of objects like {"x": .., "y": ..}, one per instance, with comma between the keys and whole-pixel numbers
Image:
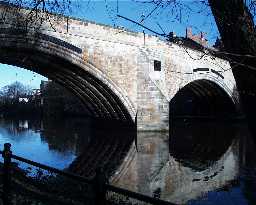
[{"x": 7, "y": 173}]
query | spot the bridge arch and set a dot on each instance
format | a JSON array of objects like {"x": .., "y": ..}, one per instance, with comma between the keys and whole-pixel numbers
[
  {"x": 205, "y": 97},
  {"x": 65, "y": 63}
]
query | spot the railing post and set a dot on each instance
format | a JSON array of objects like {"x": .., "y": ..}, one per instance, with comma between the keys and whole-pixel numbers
[
  {"x": 99, "y": 184},
  {"x": 7, "y": 174}
]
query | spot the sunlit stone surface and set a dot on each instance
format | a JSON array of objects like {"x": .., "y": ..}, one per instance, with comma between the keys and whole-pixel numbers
[
  {"x": 154, "y": 171},
  {"x": 112, "y": 70}
]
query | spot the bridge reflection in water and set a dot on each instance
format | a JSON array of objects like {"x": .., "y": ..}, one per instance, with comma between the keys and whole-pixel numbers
[
  {"x": 198, "y": 162},
  {"x": 77, "y": 145}
]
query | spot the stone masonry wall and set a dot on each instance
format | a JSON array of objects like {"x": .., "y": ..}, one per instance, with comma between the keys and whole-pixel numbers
[{"x": 124, "y": 61}]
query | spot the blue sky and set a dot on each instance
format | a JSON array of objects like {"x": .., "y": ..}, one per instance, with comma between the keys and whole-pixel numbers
[
  {"x": 163, "y": 19},
  {"x": 10, "y": 74},
  {"x": 169, "y": 18}
]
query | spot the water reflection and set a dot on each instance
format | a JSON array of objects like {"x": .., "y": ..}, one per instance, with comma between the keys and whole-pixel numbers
[
  {"x": 35, "y": 140},
  {"x": 197, "y": 164},
  {"x": 207, "y": 156},
  {"x": 107, "y": 148},
  {"x": 200, "y": 145},
  {"x": 68, "y": 144}
]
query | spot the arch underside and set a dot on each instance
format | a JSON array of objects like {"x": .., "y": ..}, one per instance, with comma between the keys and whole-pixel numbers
[
  {"x": 99, "y": 100},
  {"x": 202, "y": 98}
]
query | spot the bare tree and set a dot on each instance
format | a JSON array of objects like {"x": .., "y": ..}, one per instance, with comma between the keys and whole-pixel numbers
[
  {"x": 236, "y": 26},
  {"x": 15, "y": 90}
]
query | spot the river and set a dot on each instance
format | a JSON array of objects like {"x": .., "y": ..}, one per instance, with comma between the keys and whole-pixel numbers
[{"x": 196, "y": 163}]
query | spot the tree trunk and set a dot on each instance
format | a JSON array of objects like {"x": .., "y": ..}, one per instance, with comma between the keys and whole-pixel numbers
[{"x": 236, "y": 27}]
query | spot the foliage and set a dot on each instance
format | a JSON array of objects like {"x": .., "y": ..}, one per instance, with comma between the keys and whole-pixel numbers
[
  {"x": 15, "y": 90},
  {"x": 17, "y": 99}
]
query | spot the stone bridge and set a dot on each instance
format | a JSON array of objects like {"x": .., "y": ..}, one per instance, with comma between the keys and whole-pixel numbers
[{"x": 115, "y": 72}]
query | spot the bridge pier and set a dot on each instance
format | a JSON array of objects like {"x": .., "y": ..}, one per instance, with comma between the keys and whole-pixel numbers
[{"x": 152, "y": 105}]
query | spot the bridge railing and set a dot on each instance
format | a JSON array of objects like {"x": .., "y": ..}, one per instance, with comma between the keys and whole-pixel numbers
[{"x": 61, "y": 187}]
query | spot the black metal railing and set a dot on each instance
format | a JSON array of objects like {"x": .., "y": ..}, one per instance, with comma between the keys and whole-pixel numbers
[{"x": 99, "y": 184}]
